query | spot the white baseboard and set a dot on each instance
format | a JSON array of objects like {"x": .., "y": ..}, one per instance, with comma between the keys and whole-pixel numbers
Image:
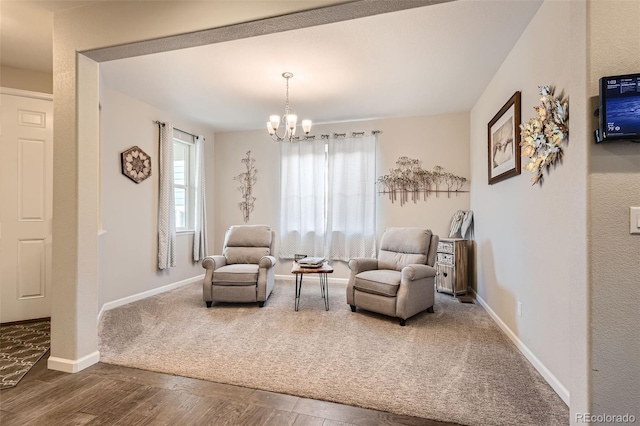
[
  {"x": 537, "y": 364},
  {"x": 72, "y": 365},
  {"x": 292, "y": 277},
  {"x": 116, "y": 303}
]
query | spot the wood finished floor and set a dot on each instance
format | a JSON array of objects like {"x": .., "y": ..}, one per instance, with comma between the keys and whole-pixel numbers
[{"x": 110, "y": 395}]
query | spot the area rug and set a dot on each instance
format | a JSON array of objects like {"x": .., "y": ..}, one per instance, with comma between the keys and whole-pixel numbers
[
  {"x": 21, "y": 346},
  {"x": 453, "y": 365}
]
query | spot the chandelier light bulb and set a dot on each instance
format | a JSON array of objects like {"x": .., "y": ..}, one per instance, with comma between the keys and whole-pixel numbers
[
  {"x": 292, "y": 120},
  {"x": 306, "y": 126},
  {"x": 275, "y": 122}
]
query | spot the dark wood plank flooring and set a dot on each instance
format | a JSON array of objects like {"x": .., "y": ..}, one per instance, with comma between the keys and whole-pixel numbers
[{"x": 110, "y": 395}]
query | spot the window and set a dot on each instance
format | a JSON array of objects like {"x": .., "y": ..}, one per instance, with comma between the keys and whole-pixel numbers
[
  {"x": 327, "y": 204},
  {"x": 183, "y": 180}
]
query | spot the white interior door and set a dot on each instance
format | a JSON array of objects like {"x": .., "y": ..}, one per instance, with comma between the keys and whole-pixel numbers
[{"x": 26, "y": 186}]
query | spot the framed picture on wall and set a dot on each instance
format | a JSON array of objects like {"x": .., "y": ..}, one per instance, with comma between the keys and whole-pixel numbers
[{"x": 504, "y": 141}]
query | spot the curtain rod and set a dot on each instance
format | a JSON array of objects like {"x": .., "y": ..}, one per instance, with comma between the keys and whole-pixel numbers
[
  {"x": 335, "y": 135},
  {"x": 298, "y": 138},
  {"x": 160, "y": 123}
]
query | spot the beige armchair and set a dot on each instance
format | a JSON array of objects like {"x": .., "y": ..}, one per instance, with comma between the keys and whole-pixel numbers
[
  {"x": 400, "y": 282},
  {"x": 245, "y": 270}
]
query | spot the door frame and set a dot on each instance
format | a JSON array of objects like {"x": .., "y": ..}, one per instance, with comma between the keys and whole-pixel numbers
[{"x": 26, "y": 93}]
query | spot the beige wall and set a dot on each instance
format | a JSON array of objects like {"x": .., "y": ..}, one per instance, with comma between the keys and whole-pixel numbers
[
  {"x": 435, "y": 140},
  {"x": 76, "y": 154},
  {"x": 531, "y": 242},
  {"x": 614, "y": 254},
  {"x": 129, "y": 247},
  {"x": 33, "y": 81}
]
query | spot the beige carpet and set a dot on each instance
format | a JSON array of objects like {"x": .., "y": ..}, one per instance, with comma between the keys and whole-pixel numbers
[{"x": 454, "y": 365}]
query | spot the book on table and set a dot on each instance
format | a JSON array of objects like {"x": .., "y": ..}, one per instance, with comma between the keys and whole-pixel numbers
[{"x": 311, "y": 262}]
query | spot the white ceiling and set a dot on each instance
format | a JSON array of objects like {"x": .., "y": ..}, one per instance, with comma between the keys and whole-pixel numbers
[{"x": 421, "y": 61}]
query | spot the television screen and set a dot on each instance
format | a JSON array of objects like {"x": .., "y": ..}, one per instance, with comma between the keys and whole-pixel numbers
[{"x": 620, "y": 107}]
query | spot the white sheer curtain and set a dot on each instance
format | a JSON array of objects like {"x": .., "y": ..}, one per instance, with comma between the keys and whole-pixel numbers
[
  {"x": 351, "y": 198},
  {"x": 302, "y": 198},
  {"x": 166, "y": 204},
  {"x": 200, "y": 246}
]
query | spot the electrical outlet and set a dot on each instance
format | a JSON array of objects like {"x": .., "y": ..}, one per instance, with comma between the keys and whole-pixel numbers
[{"x": 519, "y": 309}]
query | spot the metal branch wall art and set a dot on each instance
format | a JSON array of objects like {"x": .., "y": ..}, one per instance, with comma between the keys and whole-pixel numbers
[
  {"x": 409, "y": 180},
  {"x": 247, "y": 180}
]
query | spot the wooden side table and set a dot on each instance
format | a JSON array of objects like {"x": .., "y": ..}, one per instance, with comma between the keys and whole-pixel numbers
[
  {"x": 324, "y": 281},
  {"x": 452, "y": 264}
]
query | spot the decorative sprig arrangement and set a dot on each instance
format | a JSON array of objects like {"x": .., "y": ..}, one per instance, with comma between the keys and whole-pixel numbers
[
  {"x": 408, "y": 177},
  {"x": 247, "y": 180},
  {"x": 543, "y": 135}
]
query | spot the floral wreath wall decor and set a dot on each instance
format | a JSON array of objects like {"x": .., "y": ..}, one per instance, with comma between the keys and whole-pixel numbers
[
  {"x": 408, "y": 178},
  {"x": 543, "y": 135},
  {"x": 247, "y": 179},
  {"x": 136, "y": 164}
]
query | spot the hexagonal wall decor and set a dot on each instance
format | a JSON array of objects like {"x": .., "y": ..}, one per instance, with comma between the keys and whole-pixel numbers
[{"x": 136, "y": 164}]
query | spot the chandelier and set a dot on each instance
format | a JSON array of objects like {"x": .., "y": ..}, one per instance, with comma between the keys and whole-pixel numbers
[{"x": 289, "y": 119}]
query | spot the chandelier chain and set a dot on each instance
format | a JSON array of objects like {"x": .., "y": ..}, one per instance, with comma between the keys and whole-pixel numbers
[{"x": 286, "y": 105}]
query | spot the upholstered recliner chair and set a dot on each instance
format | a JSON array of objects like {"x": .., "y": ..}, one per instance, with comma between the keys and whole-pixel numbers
[
  {"x": 400, "y": 282},
  {"x": 245, "y": 270}
]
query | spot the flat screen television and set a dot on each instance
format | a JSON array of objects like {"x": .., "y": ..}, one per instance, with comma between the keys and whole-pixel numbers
[{"x": 619, "y": 114}]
